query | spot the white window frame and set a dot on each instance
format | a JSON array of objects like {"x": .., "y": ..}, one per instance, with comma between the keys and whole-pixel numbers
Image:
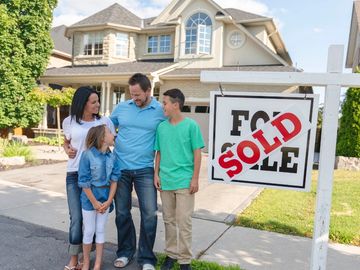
[
  {"x": 158, "y": 44},
  {"x": 200, "y": 41},
  {"x": 92, "y": 39},
  {"x": 122, "y": 44}
]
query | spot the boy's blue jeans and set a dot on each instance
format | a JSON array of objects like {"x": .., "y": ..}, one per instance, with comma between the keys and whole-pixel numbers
[
  {"x": 73, "y": 192},
  {"x": 143, "y": 181}
]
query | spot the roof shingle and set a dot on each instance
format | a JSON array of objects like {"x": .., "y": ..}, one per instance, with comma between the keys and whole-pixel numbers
[
  {"x": 240, "y": 15},
  {"x": 115, "y": 14},
  {"x": 61, "y": 43}
]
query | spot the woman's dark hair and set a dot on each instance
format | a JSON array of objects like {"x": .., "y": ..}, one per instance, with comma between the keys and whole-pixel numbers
[
  {"x": 142, "y": 80},
  {"x": 79, "y": 101}
]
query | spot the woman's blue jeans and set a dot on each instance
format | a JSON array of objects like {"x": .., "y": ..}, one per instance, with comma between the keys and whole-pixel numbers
[
  {"x": 73, "y": 192},
  {"x": 143, "y": 181}
]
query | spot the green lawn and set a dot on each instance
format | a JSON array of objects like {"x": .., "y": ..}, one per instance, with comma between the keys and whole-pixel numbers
[
  {"x": 292, "y": 212},
  {"x": 198, "y": 265}
]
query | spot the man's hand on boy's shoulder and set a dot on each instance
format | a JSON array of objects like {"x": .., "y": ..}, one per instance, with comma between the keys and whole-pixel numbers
[{"x": 194, "y": 185}]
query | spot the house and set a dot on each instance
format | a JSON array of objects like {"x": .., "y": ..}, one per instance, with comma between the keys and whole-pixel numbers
[
  {"x": 172, "y": 49},
  {"x": 353, "y": 51},
  {"x": 61, "y": 53}
]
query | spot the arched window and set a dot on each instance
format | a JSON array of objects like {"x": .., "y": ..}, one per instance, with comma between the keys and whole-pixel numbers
[{"x": 198, "y": 34}]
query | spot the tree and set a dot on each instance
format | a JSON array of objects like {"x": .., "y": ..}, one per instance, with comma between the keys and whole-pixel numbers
[
  {"x": 24, "y": 51},
  {"x": 349, "y": 131},
  {"x": 54, "y": 98}
]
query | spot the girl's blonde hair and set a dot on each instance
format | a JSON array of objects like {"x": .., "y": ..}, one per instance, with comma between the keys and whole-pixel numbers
[{"x": 95, "y": 137}]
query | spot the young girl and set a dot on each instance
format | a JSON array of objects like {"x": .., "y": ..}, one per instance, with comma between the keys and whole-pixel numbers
[{"x": 98, "y": 176}]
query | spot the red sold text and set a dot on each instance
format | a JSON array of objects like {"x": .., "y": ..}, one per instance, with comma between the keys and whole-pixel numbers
[{"x": 261, "y": 143}]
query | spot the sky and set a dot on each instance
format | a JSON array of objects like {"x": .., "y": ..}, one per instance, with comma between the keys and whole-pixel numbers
[{"x": 307, "y": 27}]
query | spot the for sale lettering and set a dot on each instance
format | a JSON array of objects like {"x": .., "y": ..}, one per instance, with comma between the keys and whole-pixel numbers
[{"x": 270, "y": 138}]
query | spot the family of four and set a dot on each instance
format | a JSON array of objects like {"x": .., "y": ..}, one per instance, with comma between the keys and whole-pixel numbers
[{"x": 96, "y": 177}]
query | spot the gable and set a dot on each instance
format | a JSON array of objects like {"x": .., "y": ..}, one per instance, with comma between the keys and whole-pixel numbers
[{"x": 250, "y": 53}]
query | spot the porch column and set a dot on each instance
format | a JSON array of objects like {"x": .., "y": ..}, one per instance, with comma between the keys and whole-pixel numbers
[
  {"x": 43, "y": 123},
  {"x": 102, "y": 99},
  {"x": 107, "y": 108}
]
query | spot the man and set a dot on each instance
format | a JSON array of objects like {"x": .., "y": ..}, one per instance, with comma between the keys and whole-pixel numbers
[{"x": 137, "y": 120}]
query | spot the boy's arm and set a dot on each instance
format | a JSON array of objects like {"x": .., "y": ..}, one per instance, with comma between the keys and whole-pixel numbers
[
  {"x": 194, "y": 184},
  {"x": 157, "y": 183}
]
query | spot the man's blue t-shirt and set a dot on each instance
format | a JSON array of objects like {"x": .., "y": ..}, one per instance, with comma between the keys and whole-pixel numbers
[{"x": 134, "y": 145}]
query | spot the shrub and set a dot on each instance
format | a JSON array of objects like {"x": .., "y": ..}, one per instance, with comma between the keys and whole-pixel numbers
[
  {"x": 14, "y": 149},
  {"x": 349, "y": 132},
  {"x": 50, "y": 141}
]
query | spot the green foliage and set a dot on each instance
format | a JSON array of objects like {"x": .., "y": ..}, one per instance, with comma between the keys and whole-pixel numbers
[
  {"x": 50, "y": 141},
  {"x": 198, "y": 265},
  {"x": 267, "y": 211},
  {"x": 24, "y": 51},
  {"x": 14, "y": 149},
  {"x": 348, "y": 143},
  {"x": 53, "y": 97}
]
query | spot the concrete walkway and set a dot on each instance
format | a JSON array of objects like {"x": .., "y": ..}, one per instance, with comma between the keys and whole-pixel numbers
[{"x": 37, "y": 195}]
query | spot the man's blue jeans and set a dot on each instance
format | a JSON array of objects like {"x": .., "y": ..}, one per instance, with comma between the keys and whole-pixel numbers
[
  {"x": 142, "y": 180},
  {"x": 73, "y": 198}
]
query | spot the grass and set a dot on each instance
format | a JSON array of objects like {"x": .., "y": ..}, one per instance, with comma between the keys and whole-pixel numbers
[
  {"x": 198, "y": 265},
  {"x": 292, "y": 212},
  {"x": 14, "y": 149}
]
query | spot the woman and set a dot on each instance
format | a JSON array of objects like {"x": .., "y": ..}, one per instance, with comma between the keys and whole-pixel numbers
[{"x": 84, "y": 114}]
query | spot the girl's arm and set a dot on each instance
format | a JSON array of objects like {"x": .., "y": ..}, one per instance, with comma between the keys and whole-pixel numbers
[
  {"x": 84, "y": 180},
  {"x": 157, "y": 183},
  {"x": 96, "y": 204},
  {"x": 106, "y": 205}
]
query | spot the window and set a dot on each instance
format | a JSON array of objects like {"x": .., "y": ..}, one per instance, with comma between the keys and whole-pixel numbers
[
  {"x": 153, "y": 44},
  {"x": 118, "y": 95},
  {"x": 93, "y": 43},
  {"x": 186, "y": 109},
  {"x": 122, "y": 45},
  {"x": 202, "y": 109},
  {"x": 198, "y": 34},
  {"x": 159, "y": 44},
  {"x": 236, "y": 39}
]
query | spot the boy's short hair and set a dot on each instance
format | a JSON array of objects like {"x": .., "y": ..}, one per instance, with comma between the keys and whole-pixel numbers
[
  {"x": 142, "y": 80},
  {"x": 176, "y": 95}
]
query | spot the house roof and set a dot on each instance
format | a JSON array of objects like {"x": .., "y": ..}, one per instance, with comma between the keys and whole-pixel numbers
[
  {"x": 115, "y": 14},
  {"x": 61, "y": 43},
  {"x": 354, "y": 30},
  {"x": 121, "y": 68},
  {"x": 152, "y": 66},
  {"x": 194, "y": 72},
  {"x": 240, "y": 15}
]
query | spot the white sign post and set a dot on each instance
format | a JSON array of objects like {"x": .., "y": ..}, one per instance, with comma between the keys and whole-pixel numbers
[{"x": 333, "y": 80}]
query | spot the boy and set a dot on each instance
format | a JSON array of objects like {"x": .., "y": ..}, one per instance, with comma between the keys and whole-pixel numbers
[{"x": 177, "y": 164}]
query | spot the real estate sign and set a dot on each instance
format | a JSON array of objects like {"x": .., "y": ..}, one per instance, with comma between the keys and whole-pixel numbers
[{"x": 263, "y": 139}]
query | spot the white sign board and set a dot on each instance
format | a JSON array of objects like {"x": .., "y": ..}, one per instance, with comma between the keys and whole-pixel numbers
[{"x": 263, "y": 139}]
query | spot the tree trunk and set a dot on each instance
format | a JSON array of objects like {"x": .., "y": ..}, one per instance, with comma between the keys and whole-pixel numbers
[{"x": 58, "y": 125}]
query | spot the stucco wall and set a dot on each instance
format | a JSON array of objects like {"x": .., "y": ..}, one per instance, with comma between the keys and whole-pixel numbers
[
  {"x": 55, "y": 62},
  {"x": 249, "y": 54}
]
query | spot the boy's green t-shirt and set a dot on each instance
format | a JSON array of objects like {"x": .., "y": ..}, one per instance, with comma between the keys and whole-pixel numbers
[{"x": 176, "y": 144}]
